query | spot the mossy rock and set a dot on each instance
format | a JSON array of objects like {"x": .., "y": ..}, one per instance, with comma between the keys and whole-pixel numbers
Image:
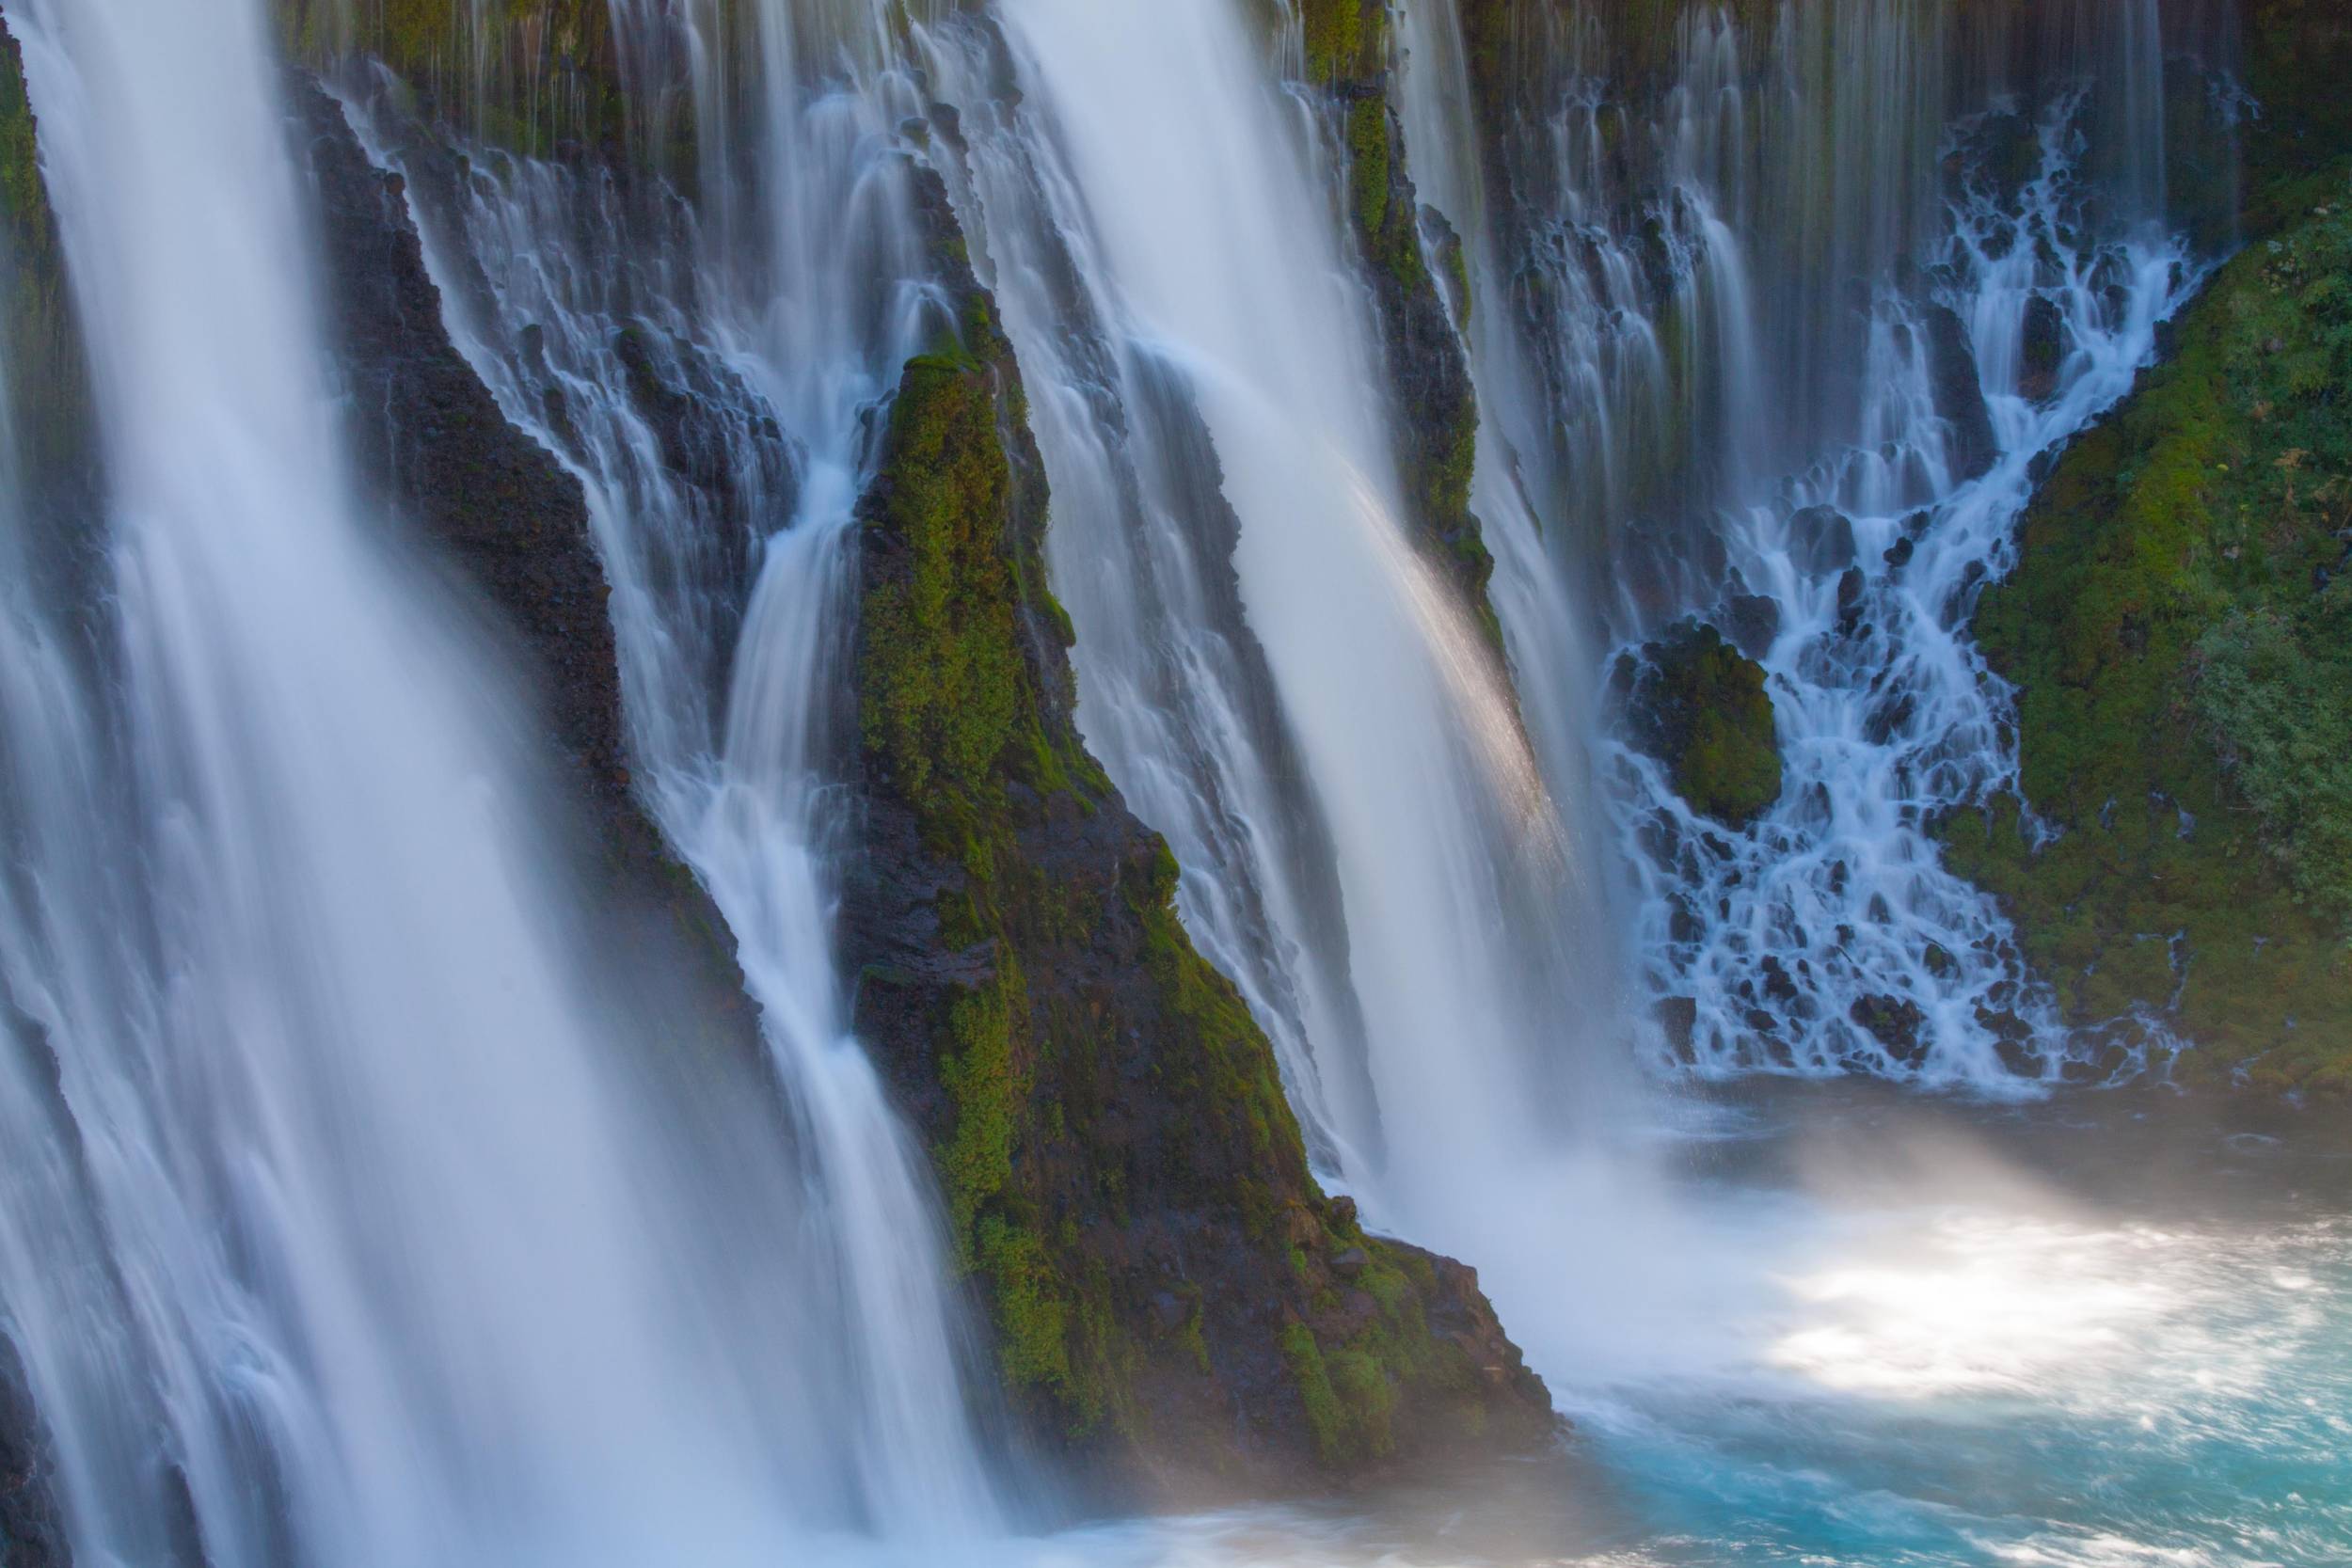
[
  {"x": 1699, "y": 705},
  {"x": 2179, "y": 626},
  {"x": 1125, "y": 1183}
]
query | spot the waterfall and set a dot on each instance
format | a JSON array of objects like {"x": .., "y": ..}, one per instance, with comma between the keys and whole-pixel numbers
[
  {"x": 353, "y": 1214},
  {"x": 1751, "y": 318},
  {"x": 734, "y": 591},
  {"x": 1368, "y": 828}
]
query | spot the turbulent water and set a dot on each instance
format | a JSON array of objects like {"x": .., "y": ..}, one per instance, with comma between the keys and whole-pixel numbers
[{"x": 350, "y": 1217}]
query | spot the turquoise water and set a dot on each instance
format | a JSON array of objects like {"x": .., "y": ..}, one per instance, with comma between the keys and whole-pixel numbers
[{"x": 1860, "y": 1329}]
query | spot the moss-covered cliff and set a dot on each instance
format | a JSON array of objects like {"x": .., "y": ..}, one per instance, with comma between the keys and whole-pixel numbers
[
  {"x": 1171, "y": 1295},
  {"x": 2180, "y": 627}
]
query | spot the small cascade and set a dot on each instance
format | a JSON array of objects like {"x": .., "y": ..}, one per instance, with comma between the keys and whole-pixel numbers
[
  {"x": 716, "y": 396},
  {"x": 1777, "y": 318}
]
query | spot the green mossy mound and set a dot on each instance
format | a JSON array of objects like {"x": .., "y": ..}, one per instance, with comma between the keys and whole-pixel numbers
[
  {"x": 1699, "y": 704},
  {"x": 1125, "y": 1184},
  {"x": 2180, "y": 628}
]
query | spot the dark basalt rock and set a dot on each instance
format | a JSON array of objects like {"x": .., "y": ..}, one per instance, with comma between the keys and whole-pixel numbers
[
  {"x": 32, "y": 1530},
  {"x": 1897, "y": 1023},
  {"x": 1752, "y": 621},
  {"x": 1820, "y": 540},
  {"x": 1959, "y": 394},
  {"x": 430, "y": 440},
  {"x": 1437, "y": 407},
  {"x": 2044, "y": 350}
]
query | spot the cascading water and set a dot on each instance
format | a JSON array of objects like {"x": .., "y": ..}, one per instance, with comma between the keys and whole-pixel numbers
[
  {"x": 344, "y": 1223},
  {"x": 1764, "y": 333},
  {"x": 734, "y": 585},
  {"x": 1266, "y": 666}
]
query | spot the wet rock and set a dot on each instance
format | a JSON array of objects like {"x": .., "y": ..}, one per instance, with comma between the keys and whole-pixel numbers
[
  {"x": 1959, "y": 394},
  {"x": 1683, "y": 923},
  {"x": 1778, "y": 984},
  {"x": 2045, "y": 349},
  {"x": 1694, "y": 702},
  {"x": 1679, "y": 1016},
  {"x": 1350, "y": 1263},
  {"x": 1849, "y": 591},
  {"x": 1820, "y": 540},
  {"x": 1899, "y": 554},
  {"x": 1896, "y": 1022},
  {"x": 32, "y": 1528},
  {"x": 1752, "y": 621},
  {"x": 1889, "y": 718}
]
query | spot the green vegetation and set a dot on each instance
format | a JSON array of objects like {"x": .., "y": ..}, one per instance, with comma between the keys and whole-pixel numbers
[
  {"x": 2180, "y": 628},
  {"x": 1107, "y": 1108},
  {"x": 40, "y": 334},
  {"x": 526, "y": 75},
  {"x": 1338, "y": 37},
  {"x": 1696, "y": 703}
]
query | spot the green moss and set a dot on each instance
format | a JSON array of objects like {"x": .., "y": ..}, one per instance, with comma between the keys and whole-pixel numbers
[
  {"x": 942, "y": 679},
  {"x": 526, "y": 75},
  {"x": 1327, "y": 1419},
  {"x": 1336, "y": 34},
  {"x": 48, "y": 376},
  {"x": 1697, "y": 704},
  {"x": 2180, "y": 632},
  {"x": 1369, "y": 1398},
  {"x": 1032, "y": 1313},
  {"x": 1367, "y": 164},
  {"x": 990, "y": 1089}
]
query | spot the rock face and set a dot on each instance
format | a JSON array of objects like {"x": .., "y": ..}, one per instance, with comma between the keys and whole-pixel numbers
[
  {"x": 1173, "y": 1299},
  {"x": 1699, "y": 704},
  {"x": 47, "y": 416},
  {"x": 47, "y": 379},
  {"x": 32, "y": 1532},
  {"x": 430, "y": 439}
]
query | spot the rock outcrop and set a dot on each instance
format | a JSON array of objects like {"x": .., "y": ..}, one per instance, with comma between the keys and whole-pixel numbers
[
  {"x": 1174, "y": 1300},
  {"x": 1699, "y": 704}
]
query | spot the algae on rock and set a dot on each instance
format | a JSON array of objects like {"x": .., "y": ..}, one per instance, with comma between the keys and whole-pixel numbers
[
  {"x": 1124, "y": 1181},
  {"x": 1699, "y": 704},
  {"x": 2180, "y": 628}
]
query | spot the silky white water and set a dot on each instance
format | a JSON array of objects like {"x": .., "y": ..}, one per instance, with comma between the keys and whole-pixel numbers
[
  {"x": 355, "y": 1215},
  {"x": 733, "y": 605}
]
